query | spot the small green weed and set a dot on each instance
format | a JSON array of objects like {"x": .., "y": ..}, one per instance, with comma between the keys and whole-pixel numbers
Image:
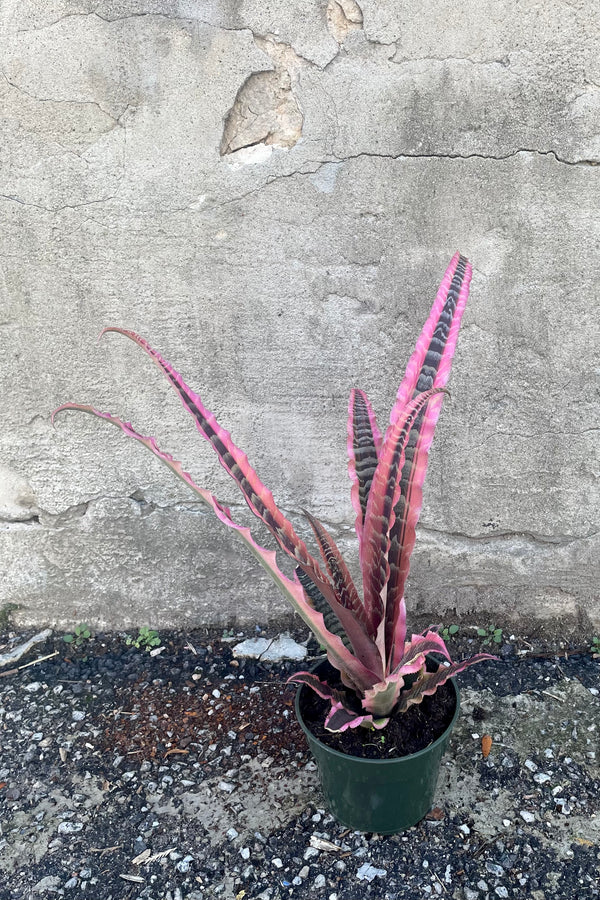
[
  {"x": 80, "y": 635},
  {"x": 596, "y": 646},
  {"x": 449, "y": 631},
  {"x": 146, "y": 639},
  {"x": 490, "y": 635}
]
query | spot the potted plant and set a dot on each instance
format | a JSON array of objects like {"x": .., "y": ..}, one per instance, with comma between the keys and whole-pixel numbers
[{"x": 375, "y": 672}]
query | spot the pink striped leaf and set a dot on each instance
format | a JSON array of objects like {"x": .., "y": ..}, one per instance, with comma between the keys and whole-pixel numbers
[
  {"x": 258, "y": 497},
  {"x": 235, "y": 462},
  {"x": 336, "y": 568},
  {"x": 415, "y": 651},
  {"x": 428, "y": 683},
  {"x": 341, "y": 718},
  {"x": 380, "y": 512},
  {"x": 381, "y": 699},
  {"x": 397, "y": 625},
  {"x": 319, "y": 687},
  {"x": 364, "y": 446},
  {"x": 338, "y": 654},
  {"x": 428, "y": 367}
]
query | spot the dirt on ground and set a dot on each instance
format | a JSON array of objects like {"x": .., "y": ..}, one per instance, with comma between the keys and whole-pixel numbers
[{"x": 184, "y": 775}]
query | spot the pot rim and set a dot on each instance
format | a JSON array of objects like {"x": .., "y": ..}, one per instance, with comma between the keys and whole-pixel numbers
[{"x": 396, "y": 759}]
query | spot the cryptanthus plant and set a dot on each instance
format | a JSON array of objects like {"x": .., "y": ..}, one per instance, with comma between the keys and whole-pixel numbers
[{"x": 382, "y": 669}]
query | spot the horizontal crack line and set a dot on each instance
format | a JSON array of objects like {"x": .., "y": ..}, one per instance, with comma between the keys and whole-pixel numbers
[
  {"x": 504, "y": 536},
  {"x": 54, "y": 209},
  {"x": 499, "y": 158},
  {"x": 395, "y": 157}
]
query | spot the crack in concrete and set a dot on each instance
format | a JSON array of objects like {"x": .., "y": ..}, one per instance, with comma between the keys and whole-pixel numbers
[
  {"x": 499, "y": 158},
  {"x": 342, "y": 528},
  {"x": 22, "y": 90},
  {"x": 110, "y": 20},
  {"x": 398, "y": 157},
  {"x": 54, "y": 209},
  {"x": 485, "y": 439},
  {"x": 527, "y": 537},
  {"x": 408, "y": 60}
]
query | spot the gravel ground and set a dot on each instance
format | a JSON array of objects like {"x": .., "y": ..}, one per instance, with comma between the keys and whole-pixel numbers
[{"x": 184, "y": 775}]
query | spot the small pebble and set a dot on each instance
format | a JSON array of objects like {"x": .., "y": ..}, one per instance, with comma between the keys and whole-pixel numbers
[
  {"x": 563, "y": 805},
  {"x": 319, "y": 882},
  {"x": 527, "y": 816},
  {"x": 232, "y": 834},
  {"x": 70, "y": 827},
  {"x": 245, "y": 853},
  {"x": 494, "y": 869},
  {"x": 184, "y": 864},
  {"x": 501, "y": 891},
  {"x": 368, "y": 872}
]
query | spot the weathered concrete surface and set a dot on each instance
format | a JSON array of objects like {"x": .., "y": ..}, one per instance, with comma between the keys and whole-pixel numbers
[{"x": 276, "y": 279}]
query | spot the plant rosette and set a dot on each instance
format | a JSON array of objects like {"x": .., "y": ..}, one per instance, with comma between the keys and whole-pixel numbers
[
  {"x": 383, "y": 792},
  {"x": 382, "y": 668}
]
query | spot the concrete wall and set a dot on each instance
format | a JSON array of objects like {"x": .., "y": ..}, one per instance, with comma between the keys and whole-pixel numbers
[{"x": 270, "y": 192}]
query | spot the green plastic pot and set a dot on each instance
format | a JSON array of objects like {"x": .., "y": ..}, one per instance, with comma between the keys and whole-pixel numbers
[{"x": 381, "y": 795}]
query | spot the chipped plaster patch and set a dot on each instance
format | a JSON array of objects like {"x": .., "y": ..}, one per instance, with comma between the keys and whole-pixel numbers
[
  {"x": 265, "y": 111},
  {"x": 343, "y": 17}
]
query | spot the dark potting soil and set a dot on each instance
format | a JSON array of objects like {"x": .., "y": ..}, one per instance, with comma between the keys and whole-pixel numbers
[{"x": 406, "y": 733}]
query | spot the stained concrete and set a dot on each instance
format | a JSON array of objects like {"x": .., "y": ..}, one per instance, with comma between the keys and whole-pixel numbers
[{"x": 279, "y": 255}]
